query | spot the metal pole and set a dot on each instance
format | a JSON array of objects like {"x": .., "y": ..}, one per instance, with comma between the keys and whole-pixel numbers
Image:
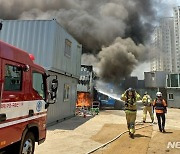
[{"x": 158, "y": 89}]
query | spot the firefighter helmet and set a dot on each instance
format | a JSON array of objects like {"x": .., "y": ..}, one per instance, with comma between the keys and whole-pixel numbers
[
  {"x": 130, "y": 89},
  {"x": 159, "y": 94},
  {"x": 145, "y": 93}
]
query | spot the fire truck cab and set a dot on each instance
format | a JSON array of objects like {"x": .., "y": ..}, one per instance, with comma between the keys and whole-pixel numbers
[{"x": 23, "y": 100}]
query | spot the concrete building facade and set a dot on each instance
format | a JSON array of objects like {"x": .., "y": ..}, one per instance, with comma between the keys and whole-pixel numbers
[
  {"x": 166, "y": 44},
  {"x": 163, "y": 56},
  {"x": 176, "y": 12},
  {"x": 156, "y": 56}
]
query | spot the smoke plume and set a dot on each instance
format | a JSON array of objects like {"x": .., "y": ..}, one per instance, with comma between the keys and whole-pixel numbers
[
  {"x": 118, "y": 60},
  {"x": 112, "y": 30}
]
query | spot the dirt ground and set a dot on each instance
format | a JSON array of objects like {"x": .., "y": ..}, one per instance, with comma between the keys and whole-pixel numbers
[
  {"x": 159, "y": 142},
  {"x": 143, "y": 143},
  {"x": 80, "y": 135},
  {"x": 127, "y": 145}
]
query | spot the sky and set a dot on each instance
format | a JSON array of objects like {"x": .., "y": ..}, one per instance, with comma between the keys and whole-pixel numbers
[
  {"x": 167, "y": 6},
  {"x": 140, "y": 69},
  {"x": 164, "y": 9}
]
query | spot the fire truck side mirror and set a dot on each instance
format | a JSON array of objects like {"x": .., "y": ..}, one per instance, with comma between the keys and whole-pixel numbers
[
  {"x": 54, "y": 85},
  {"x": 53, "y": 90},
  {"x": 1, "y": 25}
]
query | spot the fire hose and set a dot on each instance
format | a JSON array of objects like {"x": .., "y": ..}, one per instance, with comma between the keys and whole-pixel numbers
[{"x": 103, "y": 145}]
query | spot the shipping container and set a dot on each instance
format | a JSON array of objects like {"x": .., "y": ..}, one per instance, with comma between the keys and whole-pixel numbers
[
  {"x": 48, "y": 41},
  {"x": 173, "y": 97},
  {"x": 131, "y": 81},
  {"x": 66, "y": 99},
  {"x": 86, "y": 82},
  {"x": 173, "y": 90},
  {"x": 173, "y": 80},
  {"x": 54, "y": 49},
  {"x": 155, "y": 79},
  {"x": 85, "y": 86}
]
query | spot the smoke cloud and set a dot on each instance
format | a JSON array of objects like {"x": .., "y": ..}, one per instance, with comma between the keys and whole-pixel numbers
[
  {"x": 117, "y": 61},
  {"x": 112, "y": 30}
]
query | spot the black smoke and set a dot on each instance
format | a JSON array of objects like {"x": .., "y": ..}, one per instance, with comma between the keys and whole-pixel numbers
[
  {"x": 97, "y": 25},
  {"x": 94, "y": 23}
]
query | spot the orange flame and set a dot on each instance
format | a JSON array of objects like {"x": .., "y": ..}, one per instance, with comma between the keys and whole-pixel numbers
[{"x": 84, "y": 99}]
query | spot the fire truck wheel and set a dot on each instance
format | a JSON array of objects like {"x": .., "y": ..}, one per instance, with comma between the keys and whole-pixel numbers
[{"x": 28, "y": 144}]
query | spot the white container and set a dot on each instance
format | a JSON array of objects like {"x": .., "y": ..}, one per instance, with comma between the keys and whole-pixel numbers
[{"x": 45, "y": 39}]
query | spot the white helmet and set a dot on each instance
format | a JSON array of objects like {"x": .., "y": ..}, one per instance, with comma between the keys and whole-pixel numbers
[{"x": 159, "y": 94}]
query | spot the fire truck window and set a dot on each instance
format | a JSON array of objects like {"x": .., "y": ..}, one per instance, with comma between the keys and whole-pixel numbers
[
  {"x": 38, "y": 84},
  {"x": 13, "y": 78},
  {"x": 66, "y": 92}
]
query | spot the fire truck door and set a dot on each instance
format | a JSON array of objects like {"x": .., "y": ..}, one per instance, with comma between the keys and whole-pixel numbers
[
  {"x": 0, "y": 84},
  {"x": 12, "y": 75},
  {"x": 11, "y": 103}
]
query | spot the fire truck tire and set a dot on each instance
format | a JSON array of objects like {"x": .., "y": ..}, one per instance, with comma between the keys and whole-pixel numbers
[{"x": 28, "y": 144}]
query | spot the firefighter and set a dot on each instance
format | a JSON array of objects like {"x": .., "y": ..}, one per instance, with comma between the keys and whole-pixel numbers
[
  {"x": 160, "y": 107},
  {"x": 147, "y": 102},
  {"x": 130, "y": 97}
]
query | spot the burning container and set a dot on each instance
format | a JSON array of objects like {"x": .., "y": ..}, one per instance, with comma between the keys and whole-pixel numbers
[
  {"x": 85, "y": 87},
  {"x": 55, "y": 50},
  {"x": 84, "y": 99}
]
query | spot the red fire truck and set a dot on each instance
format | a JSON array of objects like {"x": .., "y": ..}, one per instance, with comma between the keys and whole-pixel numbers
[{"x": 23, "y": 101}]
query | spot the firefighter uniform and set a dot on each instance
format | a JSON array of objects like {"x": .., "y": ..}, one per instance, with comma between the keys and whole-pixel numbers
[
  {"x": 130, "y": 108},
  {"x": 161, "y": 108},
  {"x": 147, "y": 102}
]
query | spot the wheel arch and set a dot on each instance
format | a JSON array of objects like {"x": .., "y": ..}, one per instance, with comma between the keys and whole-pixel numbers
[{"x": 31, "y": 128}]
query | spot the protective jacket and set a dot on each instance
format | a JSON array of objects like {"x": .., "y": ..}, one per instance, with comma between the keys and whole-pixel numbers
[
  {"x": 160, "y": 105},
  {"x": 130, "y": 101},
  {"x": 147, "y": 101}
]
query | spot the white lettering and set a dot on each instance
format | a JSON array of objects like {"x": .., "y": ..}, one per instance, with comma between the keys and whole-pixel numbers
[
  {"x": 173, "y": 145},
  {"x": 178, "y": 145}
]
